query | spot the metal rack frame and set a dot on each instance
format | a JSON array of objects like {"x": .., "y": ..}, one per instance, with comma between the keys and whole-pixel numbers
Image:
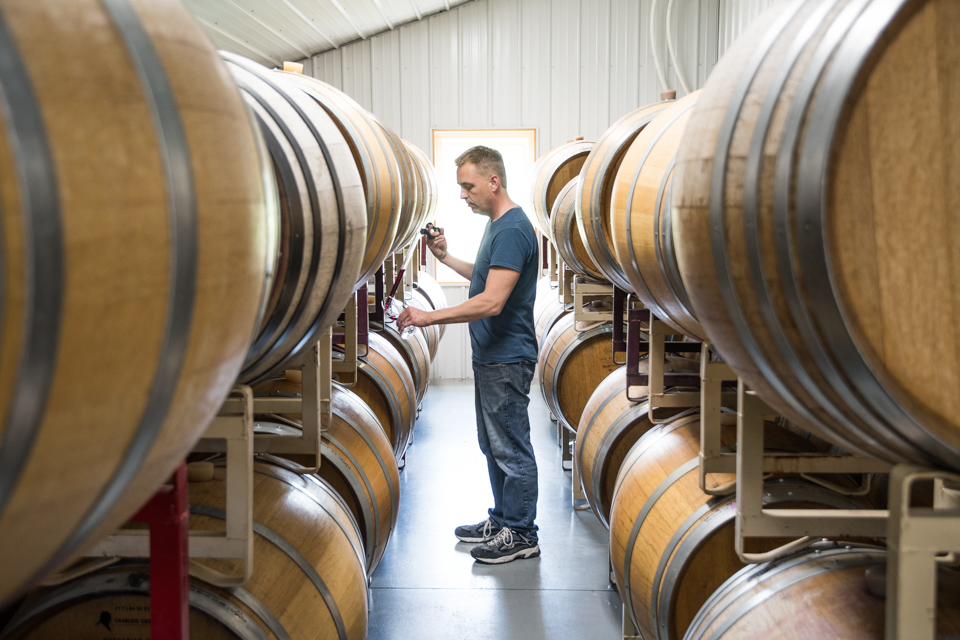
[
  {"x": 630, "y": 632},
  {"x": 752, "y": 463},
  {"x": 231, "y": 432},
  {"x": 583, "y": 290},
  {"x": 586, "y": 290},
  {"x": 565, "y": 282},
  {"x": 550, "y": 268},
  {"x": 916, "y": 540},
  {"x": 565, "y": 440},
  {"x": 656, "y": 346}
]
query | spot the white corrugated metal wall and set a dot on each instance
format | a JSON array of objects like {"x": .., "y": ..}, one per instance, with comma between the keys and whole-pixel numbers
[
  {"x": 736, "y": 15},
  {"x": 566, "y": 67}
]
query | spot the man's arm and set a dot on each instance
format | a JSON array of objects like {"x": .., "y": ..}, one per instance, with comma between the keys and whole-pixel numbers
[
  {"x": 438, "y": 246},
  {"x": 490, "y": 302}
]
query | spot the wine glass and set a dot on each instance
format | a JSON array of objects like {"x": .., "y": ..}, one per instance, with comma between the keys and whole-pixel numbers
[{"x": 392, "y": 308}]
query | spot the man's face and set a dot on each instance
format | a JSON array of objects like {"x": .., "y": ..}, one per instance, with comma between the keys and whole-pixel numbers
[{"x": 476, "y": 189}]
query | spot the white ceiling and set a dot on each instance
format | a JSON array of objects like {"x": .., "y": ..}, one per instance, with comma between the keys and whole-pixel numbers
[{"x": 271, "y": 31}]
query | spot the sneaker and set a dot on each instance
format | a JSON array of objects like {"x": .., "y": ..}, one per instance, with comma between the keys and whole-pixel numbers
[
  {"x": 480, "y": 532},
  {"x": 507, "y": 546}
]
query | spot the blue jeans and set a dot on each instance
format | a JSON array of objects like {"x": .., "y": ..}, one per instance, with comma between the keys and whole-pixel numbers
[{"x": 503, "y": 428}]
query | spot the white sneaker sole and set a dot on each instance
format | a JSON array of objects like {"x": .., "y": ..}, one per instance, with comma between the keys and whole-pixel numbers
[
  {"x": 522, "y": 554},
  {"x": 476, "y": 540}
]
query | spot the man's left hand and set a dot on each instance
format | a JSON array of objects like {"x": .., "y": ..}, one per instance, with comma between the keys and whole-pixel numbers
[{"x": 413, "y": 317}]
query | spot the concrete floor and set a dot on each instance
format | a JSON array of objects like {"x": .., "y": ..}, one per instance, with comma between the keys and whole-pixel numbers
[{"x": 429, "y": 588}]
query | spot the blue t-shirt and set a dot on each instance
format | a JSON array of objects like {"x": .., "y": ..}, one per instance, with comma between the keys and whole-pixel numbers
[{"x": 510, "y": 242}]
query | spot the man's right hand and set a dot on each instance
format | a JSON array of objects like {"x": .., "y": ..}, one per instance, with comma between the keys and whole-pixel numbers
[{"x": 437, "y": 245}]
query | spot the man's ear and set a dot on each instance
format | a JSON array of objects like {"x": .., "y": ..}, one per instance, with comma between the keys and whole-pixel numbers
[{"x": 495, "y": 181}]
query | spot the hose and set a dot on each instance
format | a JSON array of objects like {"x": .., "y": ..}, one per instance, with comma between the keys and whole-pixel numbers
[
  {"x": 653, "y": 43},
  {"x": 673, "y": 51}
]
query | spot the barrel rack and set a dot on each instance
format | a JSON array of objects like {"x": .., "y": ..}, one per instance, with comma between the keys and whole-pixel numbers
[
  {"x": 577, "y": 291},
  {"x": 172, "y": 548},
  {"x": 549, "y": 269},
  {"x": 918, "y": 539},
  {"x": 396, "y": 266}
]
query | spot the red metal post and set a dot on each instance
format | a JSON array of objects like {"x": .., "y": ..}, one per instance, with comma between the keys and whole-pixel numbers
[
  {"x": 378, "y": 289},
  {"x": 167, "y": 514},
  {"x": 619, "y": 339},
  {"x": 363, "y": 316}
]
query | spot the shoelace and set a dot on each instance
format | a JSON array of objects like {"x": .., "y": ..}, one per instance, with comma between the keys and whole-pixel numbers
[
  {"x": 503, "y": 539},
  {"x": 487, "y": 527}
]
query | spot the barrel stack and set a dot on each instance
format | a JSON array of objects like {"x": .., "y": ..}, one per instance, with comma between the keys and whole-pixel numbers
[
  {"x": 255, "y": 210},
  {"x": 790, "y": 236},
  {"x": 766, "y": 215},
  {"x": 792, "y": 240}
]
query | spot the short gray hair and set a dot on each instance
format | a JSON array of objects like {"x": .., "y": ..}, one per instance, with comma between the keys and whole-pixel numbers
[{"x": 487, "y": 160}]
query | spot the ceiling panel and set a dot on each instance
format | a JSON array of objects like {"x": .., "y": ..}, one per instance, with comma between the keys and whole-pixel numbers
[{"x": 271, "y": 31}]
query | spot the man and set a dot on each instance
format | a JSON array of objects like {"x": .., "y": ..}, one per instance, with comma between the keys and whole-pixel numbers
[{"x": 500, "y": 312}]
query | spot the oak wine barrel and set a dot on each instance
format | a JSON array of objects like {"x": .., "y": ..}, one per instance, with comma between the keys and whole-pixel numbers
[
  {"x": 596, "y": 184},
  {"x": 308, "y": 574},
  {"x": 551, "y": 173},
  {"x": 825, "y": 587},
  {"x": 609, "y": 427},
  {"x": 323, "y": 217},
  {"x": 566, "y": 236},
  {"x": 547, "y": 294},
  {"x": 671, "y": 545},
  {"x": 434, "y": 332},
  {"x": 571, "y": 365},
  {"x": 357, "y": 460},
  {"x": 431, "y": 290},
  {"x": 136, "y": 216},
  {"x": 548, "y": 315},
  {"x": 814, "y": 194},
  {"x": 375, "y": 157},
  {"x": 410, "y": 230},
  {"x": 544, "y": 291},
  {"x": 411, "y": 187},
  {"x": 385, "y": 384},
  {"x": 641, "y": 220},
  {"x": 428, "y": 191},
  {"x": 415, "y": 352}
]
